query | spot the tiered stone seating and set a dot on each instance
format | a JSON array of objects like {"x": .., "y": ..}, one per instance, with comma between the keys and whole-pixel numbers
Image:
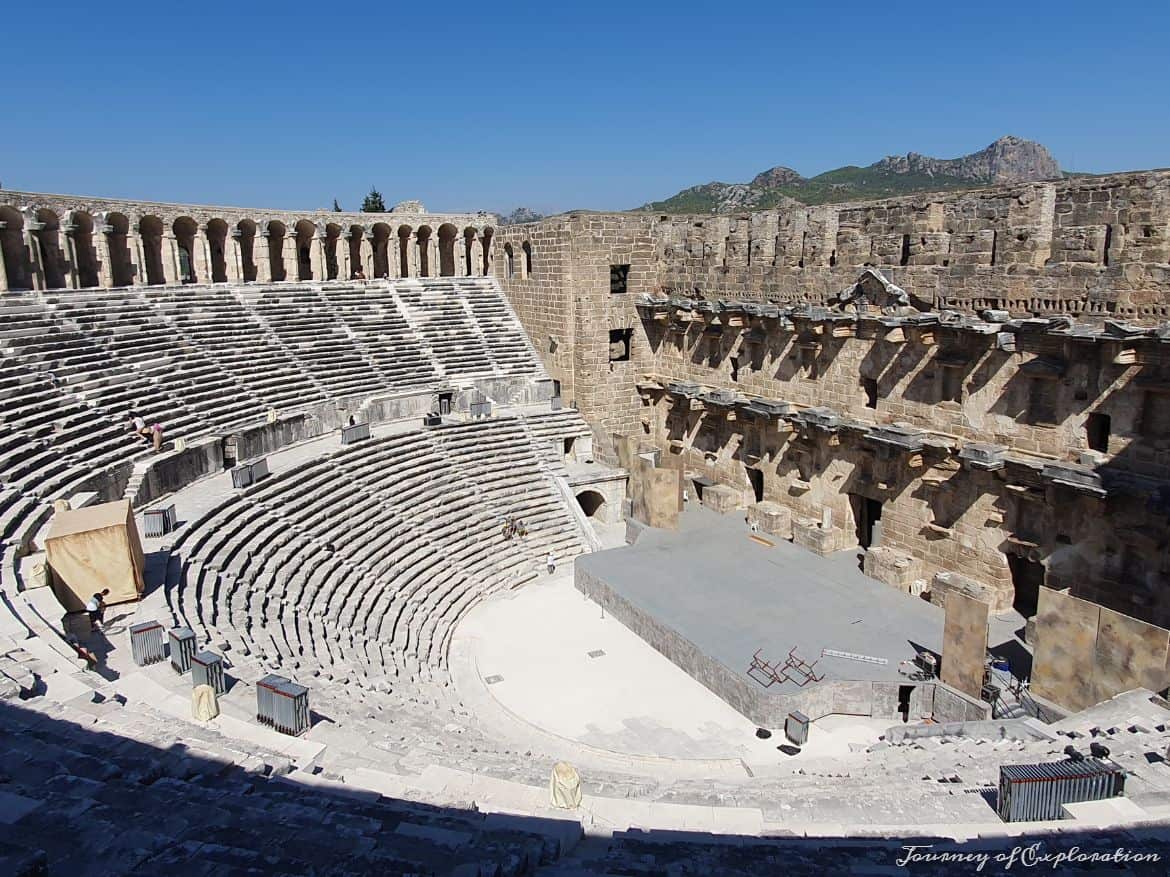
[
  {"x": 372, "y": 314},
  {"x": 216, "y": 805},
  {"x": 511, "y": 350},
  {"x": 360, "y": 565},
  {"x": 441, "y": 317},
  {"x": 215, "y": 320}
]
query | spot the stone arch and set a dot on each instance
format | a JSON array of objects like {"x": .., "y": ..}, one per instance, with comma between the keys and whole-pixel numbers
[
  {"x": 14, "y": 252},
  {"x": 185, "y": 229},
  {"x": 447, "y": 234},
  {"x": 49, "y": 239},
  {"x": 245, "y": 235},
  {"x": 333, "y": 233},
  {"x": 276, "y": 230},
  {"x": 488, "y": 234},
  {"x": 217, "y": 231},
  {"x": 85, "y": 261},
  {"x": 469, "y": 236},
  {"x": 305, "y": 234},
  {"x": 404, "y": 232},
  {"x": 357, "y": 234},
  {"x": 150, "y": 231},
  {"x": 527, "y": 248},
  {"x": 509, "y": 261},
  {"x": 592, "y": 503},
  {"x": 381, "y": 245},
  {"x": 118, "y": 245},
  {"x": 423, "y": 236}
]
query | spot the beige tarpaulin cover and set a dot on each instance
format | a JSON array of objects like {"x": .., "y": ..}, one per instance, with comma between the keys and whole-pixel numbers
[
  {"x": 564, "y": 786},
  {"x": 204, "y": 703},
  {"x": 93, "y": 548}
]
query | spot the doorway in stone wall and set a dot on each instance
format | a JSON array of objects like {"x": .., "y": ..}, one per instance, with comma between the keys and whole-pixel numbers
[
  {"x": 867, "y": 516},
  {"x": 756, "y": 479},
  {"x": 1027, "y": 577},
  {"x": 904, "y": 693}
]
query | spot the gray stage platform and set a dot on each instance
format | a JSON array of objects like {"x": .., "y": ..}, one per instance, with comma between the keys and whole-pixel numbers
[{"x": 708, "y": 596}]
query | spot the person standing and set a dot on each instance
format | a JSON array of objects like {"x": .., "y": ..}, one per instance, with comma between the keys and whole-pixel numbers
[
  {"x": 96, "y": 609},
  {"x": 551, "y": 560}
]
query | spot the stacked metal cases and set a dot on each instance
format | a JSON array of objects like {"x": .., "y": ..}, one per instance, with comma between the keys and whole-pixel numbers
[
  {"x": 1029, "y": 792},
  {"x": 796, "y": 728},
  {"x": 159, "y": 522},
  {"x": 182, "y": 648},
  {"x": 265, "y": 693},
  {"x": 291, "y": 708},
  {"x": 356, "y": 433},
  {"x": 146, "y": 643},
  {"x": 207, "y": 669},
  {"x": 241, "y": 475}
]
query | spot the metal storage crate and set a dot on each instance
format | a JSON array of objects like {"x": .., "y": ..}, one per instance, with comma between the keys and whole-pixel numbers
[
  {"x": 259, "y": 469},
  {"x": 146, "y": 643},
  {"x": 1030, "y": 792},
  {"x": 265, "y": 694},
  {"x": 290, "y": 708},
  {"x": 207, "y": 669},
  {"x": 555, "y": 403},
  {"x": 481, "y": 409},
  {"x": 182, "y": 648},
  {"x": 796, "y": 728},
  {"x": 159, "y": 522},
  {"x": 359, "y": 432},
  {"x": 241, "y": 475}
]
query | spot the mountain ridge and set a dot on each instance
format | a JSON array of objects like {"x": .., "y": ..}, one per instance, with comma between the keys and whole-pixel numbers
[{"x": 1009, "y": 159}]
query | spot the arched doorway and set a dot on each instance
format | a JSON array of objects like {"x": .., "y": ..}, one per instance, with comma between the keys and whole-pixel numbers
[
  {"x": 217, "y": 231},
  {"x": 592, "y": 503},
  {"x": 84, "y": 256},
  {"x": 306, "y": 236},
  {"x": 185, "y": 230},
  {"x": 469, "y": 250},
  {"x": 276, "y": 230},
  {"x": 13, "y": 250},
  {"x": 245, "y": 235},
  {"x": 381, "y": 244},
  {"x": 447, "y": 234},
  {"x": 356, "y": 236},
  {"x": 509, "y": 261},
  {"x": 332, "y": 251},
  {"x": 118, "y": 244},
  {"x": 488, "y": 234},
  {"x": 404, "y": 250},
  {"x": 424, "y": 250},
  {"x": 49, "y": 239},
  {"x": 150, "y": 231}
]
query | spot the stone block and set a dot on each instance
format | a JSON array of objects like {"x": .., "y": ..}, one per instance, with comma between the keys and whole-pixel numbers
[
  {"x": 894, "y": 568},
  {"x": 945, "y": 583},
  {"x": 808, "y": 533},
  {"x": 721, "y": 498},
  {"x": 772, "y": 518}
]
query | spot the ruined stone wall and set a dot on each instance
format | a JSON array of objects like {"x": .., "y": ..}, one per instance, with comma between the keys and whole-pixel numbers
[{"x": 1088, "y": 246}]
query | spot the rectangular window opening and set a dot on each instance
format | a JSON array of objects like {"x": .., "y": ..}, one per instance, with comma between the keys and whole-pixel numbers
[
  {"x": 619, "y": 344},
  {"x": 619, "y": 277}
]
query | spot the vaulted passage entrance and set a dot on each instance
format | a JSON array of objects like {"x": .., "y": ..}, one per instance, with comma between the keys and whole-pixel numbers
[
  {"x": 591, "y": 503},
  {"x": 867, "y": 516}
]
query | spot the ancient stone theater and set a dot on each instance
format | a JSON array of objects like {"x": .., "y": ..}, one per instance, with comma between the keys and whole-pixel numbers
[{"x": 627, "y": 543}]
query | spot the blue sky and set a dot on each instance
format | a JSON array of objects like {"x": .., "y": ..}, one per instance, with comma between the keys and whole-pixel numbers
[{"x": 556, "y": 105}]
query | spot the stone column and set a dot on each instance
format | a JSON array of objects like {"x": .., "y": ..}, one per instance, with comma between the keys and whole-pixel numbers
[
  {"x": 412, "y": 254},
  {"x": 476, "y": 257},
  {"x": 434, "y": 267},
  {"x": 101, "y": 245},
  {"x": 459, "y": 251},
  {"x": 288, "y": 253},
  {"x": 170, "y": 259},
  {"x": 263, "y": 259},
  {"x": 317, "y": 256},
  {"x": 233, "y": 256},
  {"x": 201, "y": 257},
  {"x": 72, "y": 278},
  {"x": 368, "y": 254},
  {"x": 3, "y": 267},
  {"x": 36, "y": 259},
  {"x": 137, "y": 259},
  {"x": 342, "y": 257}
]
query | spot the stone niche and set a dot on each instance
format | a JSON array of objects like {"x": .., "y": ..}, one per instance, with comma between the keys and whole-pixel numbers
[
  {"x": 721, "y": 498},
  {"x": 772, "y": 518},
  {"x": 895, "y": 569}
]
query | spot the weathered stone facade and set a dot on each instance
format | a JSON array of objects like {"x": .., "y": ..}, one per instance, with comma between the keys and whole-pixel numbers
[
  {"x": 974, "y": 387},
  {"x": 76, "y": 242}
]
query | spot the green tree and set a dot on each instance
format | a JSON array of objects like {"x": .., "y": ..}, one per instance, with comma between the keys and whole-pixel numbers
[
  {"x": 373, "y": 202},
  {"x": 336, "y": 206}
]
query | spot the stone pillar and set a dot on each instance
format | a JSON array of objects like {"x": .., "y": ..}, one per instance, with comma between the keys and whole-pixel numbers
[
  {"x": 342, "y": 253},
  {"x": 170, "y": 259},
  {"x": 288, "y": 252},
  {"x": 459, "y": 249},
  {"x": 101, "y": 244},
  {"x": 137, "y": 259},
  {"x": 201, "y": 256},
  {"x": 368, "y": 254},
  {"x": 412, "y": 256},
  {"x": 36, "y": 259},
  {"x": 233, "y": 256},
  {"x": 3, "y": 267},
  {"x": 72, "y": 278},
  {"x": 433, "y": 266},
  {"x": 317, "y": 256},
  {"x": 476, "y": 257},
  {"x": 263, "y": 258}
]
